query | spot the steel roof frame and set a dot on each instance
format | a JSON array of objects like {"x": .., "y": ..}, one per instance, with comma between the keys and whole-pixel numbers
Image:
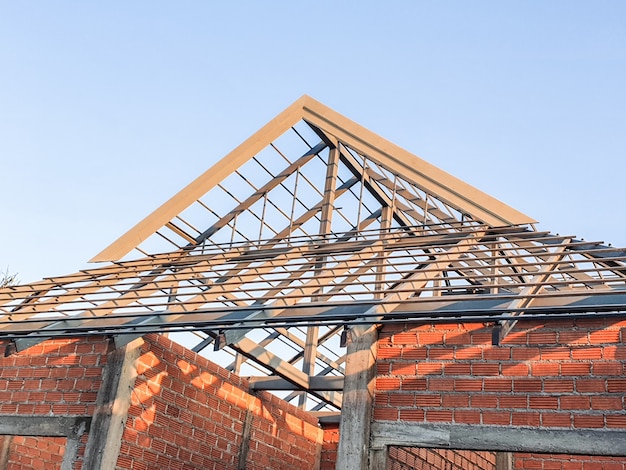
[{"x": 310, "y": 225}]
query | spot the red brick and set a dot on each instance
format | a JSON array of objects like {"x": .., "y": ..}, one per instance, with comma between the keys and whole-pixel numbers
[
  {"x": 496, "y": 353},
  {"x": 414, "y": 354},
  {"x": 457, "y": 369},
  {"x": 439, "y": 415},
  {"x": 588, "y": 421},
  {"x": 498, "y": 385},
  {"x": 430, "y": 368},
  {"x": 525, "y": 419},
  {"x": 608, "y": 368},
  {"x": 441, "y": 354},
  {"x": 556, "y": 353},
  {"x": 545, "y": 369},
  {"x": 616, "y": 421},
  {"x": 481, "y": 337},
  {"x": 496, "y": 417},
  {"x": 573, "y": 337},
  {"x": 467, "y": 416},
  {"x": 403, "y": 368},
  {"x": 468, "y": 385},
  {"x": 525, "y": 353},
  {"x": 427, "y": 400},
  {"x": 556, "y": 420},
  {"x": 543, "y": 402},
  {"x": 430, "y": 337},
  {"x": 401, "y": 399},
  {"x": 542, "y": 337},
  {"x": 558, "y": 385},
  {"x": 386, "y": 414},
  {"x": 410, "y": 415},
  {"x": 409, "y": 337},
  {"x": 515, "y": 369},
  {"x": 575, "y": 402},
  {"x": 443, "y": 384},
  {"x": 513, "y": 401},
  {"x": 484, "y": 401},
  {"x": 616, "y": 385},
  {"x": 587, "y": 353},
  {"x": 607, "y": 403},
  {"x": 474, "y": 353},
  {"x": 389, "y": 353},
  {"x": 485, "y": 369},
  {"x": 591, "y": 385},
  {"x": 527, "y": 385},
  {"x": 457, "y": 338},
  {"x": 604, "y": 336},
  {"x": 455, "y": 400},
  {"x": 412, "y": 383},
  {"x": 576, "y": 368},
  {"x": 387, "y": 383},
  {"x": 615, "y": 352}
]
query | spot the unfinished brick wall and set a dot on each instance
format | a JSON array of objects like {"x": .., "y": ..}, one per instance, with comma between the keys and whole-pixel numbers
[
  {"x": 60, "y": 377},
  {"x": 414, "y": 458},
  {"x": 187, "y": 412},
  {"x": 566, "y": 462},
  {"x": 35, "y": 453},
  {"x": 53, "y": 378},
  {"x": 561, "y": 374},
  {"x": 329, "y": 446}
]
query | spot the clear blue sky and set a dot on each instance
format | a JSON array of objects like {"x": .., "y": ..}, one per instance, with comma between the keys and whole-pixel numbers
[{"x": 108, "y": 108}]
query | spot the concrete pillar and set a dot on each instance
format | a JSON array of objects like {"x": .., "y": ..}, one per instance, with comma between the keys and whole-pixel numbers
[
  {"x": 112, "y": 403},
  {"x": 504, "y": 461},
  {"x": 358, "y": 399}
]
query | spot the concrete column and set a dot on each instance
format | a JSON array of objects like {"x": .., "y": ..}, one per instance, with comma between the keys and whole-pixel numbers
[
  {"x": 358, "y": 399},
  {"x": 504, "y": 461},
  {"x": 112, "y": 403}
]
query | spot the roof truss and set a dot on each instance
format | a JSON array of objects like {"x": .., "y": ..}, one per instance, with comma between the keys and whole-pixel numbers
[{"x": 310, "y": 224}]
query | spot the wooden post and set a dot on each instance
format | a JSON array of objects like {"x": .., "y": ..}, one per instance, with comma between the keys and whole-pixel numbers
[
  {"x": 358, "y": 399},
  {"x": 112, "y": 403}
]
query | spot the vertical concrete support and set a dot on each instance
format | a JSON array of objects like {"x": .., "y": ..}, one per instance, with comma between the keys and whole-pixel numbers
[
  {"x": 109, "y": 419},
  {"x": 378, "y": 458},
  {"x": 5, "y": 447},
  {"x": 358, "y": 399},
  {"x": 504, "y": 461}
]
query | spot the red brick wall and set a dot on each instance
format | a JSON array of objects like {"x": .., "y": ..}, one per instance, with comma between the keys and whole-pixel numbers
[
  {"x": 187, "y": 412},
  {"x": 35, "y": 453},
  {"x": 329, "y": 447},
  {"x": 60, "y": 377},
  {"x": 410, "y": 458},
  {"x": 565, "y": 374},
  {"x": 566, "y": 462}
]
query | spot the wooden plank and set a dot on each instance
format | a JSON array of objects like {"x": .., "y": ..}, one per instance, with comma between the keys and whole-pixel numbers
[
  {"x": 204, "y": 183},
  {"x": 439, "y": 183}
]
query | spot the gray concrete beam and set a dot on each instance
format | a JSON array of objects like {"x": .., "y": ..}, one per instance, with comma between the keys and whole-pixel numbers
[{"x": 499, "y": 438}]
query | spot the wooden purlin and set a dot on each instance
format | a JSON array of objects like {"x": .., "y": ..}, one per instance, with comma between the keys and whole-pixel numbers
[{"x": 448, "y": 189}]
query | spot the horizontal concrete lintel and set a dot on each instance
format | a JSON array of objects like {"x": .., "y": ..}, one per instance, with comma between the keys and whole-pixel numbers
[
  {"x": 68, "y": 426},
  {"x": 499, "y": 438}
]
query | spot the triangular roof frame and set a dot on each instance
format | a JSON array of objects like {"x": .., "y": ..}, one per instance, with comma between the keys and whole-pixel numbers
[
  {"x": 447, "y": 188},
  {"x": 463, "y": 257}
]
